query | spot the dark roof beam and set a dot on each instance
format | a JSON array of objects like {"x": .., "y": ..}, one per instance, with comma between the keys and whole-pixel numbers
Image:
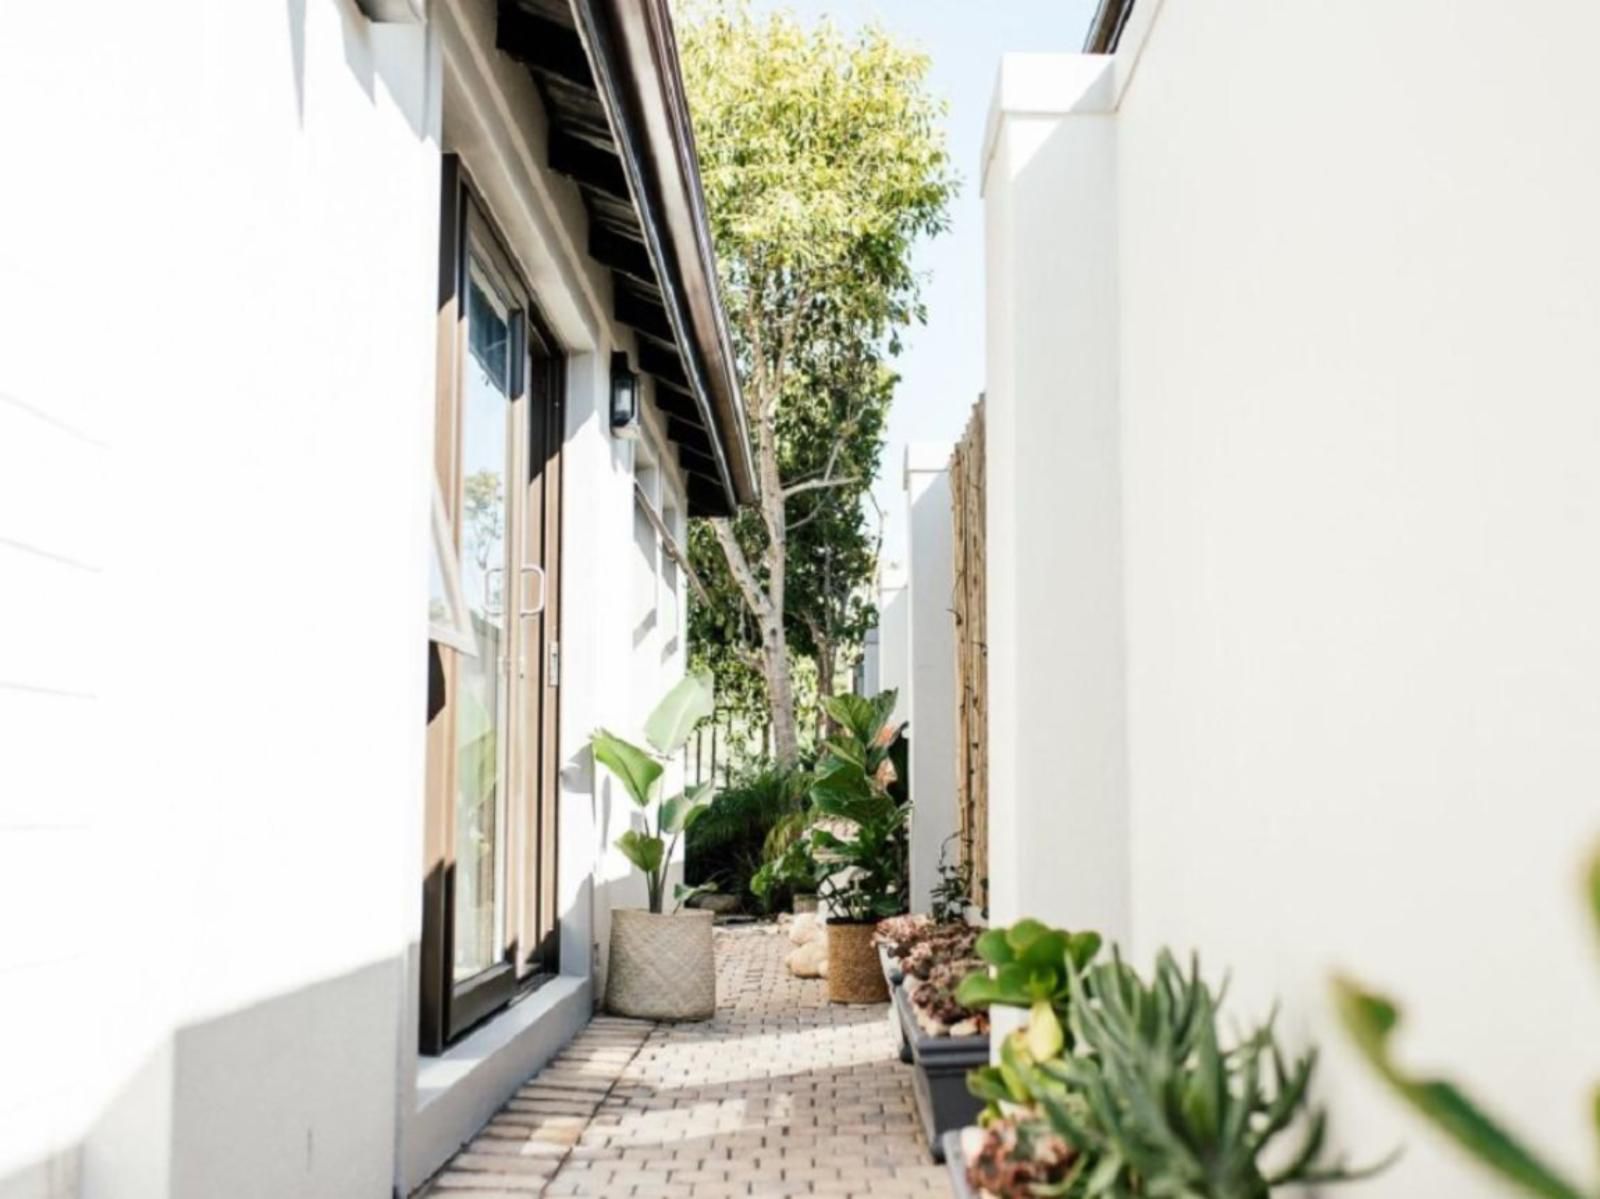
[
  {"x": 588, "y": 164},
  {"x": 626, "y": 257},
  {"x": 639, "y": 313},
  {"x": 542, "y": 44},
  {"x": 664, "y": 365}
]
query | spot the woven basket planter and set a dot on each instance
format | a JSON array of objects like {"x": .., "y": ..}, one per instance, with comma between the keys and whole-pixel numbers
[
  {"x": 661, "y": 967},
  {"x": 855, "y": 975}
]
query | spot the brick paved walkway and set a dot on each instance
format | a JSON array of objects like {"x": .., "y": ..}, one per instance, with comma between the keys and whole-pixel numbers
[{"x": 781, "y": 1094}]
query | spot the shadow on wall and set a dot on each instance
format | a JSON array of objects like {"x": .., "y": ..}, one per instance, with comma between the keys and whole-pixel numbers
[
  {"x": 393, "y": 54},
  {"x": 294, "y": 1095}
]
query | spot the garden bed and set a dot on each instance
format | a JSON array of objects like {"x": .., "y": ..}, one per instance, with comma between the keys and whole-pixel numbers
[
  {"x": 939, "y": 1075},
  {"x": 955, "y": 1165}
]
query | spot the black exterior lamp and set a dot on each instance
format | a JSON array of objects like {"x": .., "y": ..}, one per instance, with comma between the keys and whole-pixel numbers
[{"x": 624, "y": 397}]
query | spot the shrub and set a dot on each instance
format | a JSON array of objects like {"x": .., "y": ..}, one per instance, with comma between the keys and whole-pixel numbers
[{"x": 726, "y": 844}]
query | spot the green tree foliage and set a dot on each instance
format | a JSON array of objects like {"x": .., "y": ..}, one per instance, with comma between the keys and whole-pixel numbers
[{"x": 823, "y": 164}]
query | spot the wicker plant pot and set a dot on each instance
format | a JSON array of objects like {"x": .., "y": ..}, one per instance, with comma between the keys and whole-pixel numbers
[
  {"x": 804, "y": 904},
  {"x": 855, "y": 975},
  {"x": 661, "y": 966}
]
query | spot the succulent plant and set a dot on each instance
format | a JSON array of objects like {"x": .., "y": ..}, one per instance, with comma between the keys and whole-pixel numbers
[
  {"x": 1031, "y": 966},
  {"x": 1020, "y": 1159},
  {"x": 942, "y": 944},
  {"x": 899, "y": 933},
  {"x": 938, "y": 1009},
  {"x": 1151, "y": 1102}
]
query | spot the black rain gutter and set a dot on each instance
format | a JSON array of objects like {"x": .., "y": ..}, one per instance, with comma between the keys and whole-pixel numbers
[
  {"x": 1105, "y": 27},
  {"x": 634, "y": 57}
]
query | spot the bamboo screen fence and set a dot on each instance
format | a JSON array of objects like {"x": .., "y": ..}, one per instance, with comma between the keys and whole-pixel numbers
[{"x": 972, "y": 652}]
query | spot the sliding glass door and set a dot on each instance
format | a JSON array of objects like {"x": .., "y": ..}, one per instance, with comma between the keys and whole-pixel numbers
[
  {"x": 489, "y": 891},
  {"x": 491, "y": 416}
]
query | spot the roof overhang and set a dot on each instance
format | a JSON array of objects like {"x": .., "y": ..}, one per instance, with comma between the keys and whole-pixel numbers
[{"x": 608, "y": 73}]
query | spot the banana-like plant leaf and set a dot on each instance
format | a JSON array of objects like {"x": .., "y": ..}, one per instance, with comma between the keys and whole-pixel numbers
[
  {"x": 669, "y": 727},
  {"x": 679, "y": 812},
  {"x": 636, "y": 769},
  {"x": 682, "y": 894},
  {"x": 1371, "y": 1020},
  {"x": 643, "y": 850}
]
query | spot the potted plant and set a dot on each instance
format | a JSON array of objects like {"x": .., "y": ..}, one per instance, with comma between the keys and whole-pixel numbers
[
  {"x": 859, "y": 842},
  {"x": 947, "y": 1041},
  {"x": 661, "y": 965},
  {"x": 1142, "y": 1093}
]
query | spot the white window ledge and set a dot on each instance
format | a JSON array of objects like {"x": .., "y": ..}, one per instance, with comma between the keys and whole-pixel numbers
[{"x": 461, "y": 1089}]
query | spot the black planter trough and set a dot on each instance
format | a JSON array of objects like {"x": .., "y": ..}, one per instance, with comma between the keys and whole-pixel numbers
[
  {"x": 939, "y": 1067},
  {"x": 892, "y": 975},
  {"x": 955, "y": 1166},
  {"x": 891, "y": 968}
]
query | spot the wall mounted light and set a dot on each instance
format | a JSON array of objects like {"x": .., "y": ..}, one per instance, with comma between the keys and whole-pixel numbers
[{"x": 624, "y": 397}]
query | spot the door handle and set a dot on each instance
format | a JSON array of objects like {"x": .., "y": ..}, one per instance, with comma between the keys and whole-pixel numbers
[
  {"x": 490, "y": 607},
  {"x": 538, "y": 606}
]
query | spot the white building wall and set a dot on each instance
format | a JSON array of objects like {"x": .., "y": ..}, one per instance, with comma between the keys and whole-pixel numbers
[
  {"x": 894, "y": 641},
  {"x": 931, "y": 629},
  {"x": 216, "y": 412},
  {"x": 1053, "y": 507},
  {"x": 1355, "y": 295}
]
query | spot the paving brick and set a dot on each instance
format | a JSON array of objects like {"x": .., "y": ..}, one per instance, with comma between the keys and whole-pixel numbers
[{"x": 780, "y": 1094}]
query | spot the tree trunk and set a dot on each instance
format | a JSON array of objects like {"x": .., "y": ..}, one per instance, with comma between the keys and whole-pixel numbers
[
  {"x": 780, "y": 696},
  {"x": 825, "y": 655}
]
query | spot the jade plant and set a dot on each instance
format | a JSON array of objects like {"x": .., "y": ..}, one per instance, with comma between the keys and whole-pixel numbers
[
  {"x": 1031, "y": 966},
  {"x": 640, "y": 771},
  {"x": 1371, "y": 1020},
  {"x": 1141, "y": 1095}
]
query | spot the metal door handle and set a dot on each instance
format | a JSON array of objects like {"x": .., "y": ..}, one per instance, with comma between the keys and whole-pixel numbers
[
  {"x": 490, "y": 608},
  {"x": 538, "y": 607}
]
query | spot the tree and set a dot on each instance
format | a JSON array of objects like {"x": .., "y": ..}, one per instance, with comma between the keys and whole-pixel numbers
[{"x": 823, "y": 164}]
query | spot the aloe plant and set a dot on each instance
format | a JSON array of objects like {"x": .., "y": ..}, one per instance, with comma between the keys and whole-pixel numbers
[
  {"x": 1371, "y": 1020},
  {"x": 1149, "y": 1098},
  {"x": 640, "y": 771}
]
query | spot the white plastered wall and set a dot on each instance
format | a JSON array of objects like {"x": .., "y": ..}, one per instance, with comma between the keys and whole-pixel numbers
[
  {"x": 216, "y": 412},
  {"x": 218, "y": 286},
  {"x": 1354, "y": 307},
  {"x": 931, "y": 637},
  {"x": 1057, "y": 773}
]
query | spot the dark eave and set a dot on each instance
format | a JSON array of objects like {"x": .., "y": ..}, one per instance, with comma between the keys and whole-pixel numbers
[
  {"x": 1105, "y": 27},
  {"x": 607, "y": 71}
]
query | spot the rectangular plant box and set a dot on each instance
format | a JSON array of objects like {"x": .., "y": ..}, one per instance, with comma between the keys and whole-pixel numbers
[
  {"x": 939, "y": 1068},
  {"x": 891, "y": 968},
  {"x": 955, "y": 1166},
  {"x": 892, "y": 975}
]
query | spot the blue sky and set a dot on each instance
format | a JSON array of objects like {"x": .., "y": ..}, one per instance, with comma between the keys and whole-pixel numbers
[{"x": 942, "y": 365}]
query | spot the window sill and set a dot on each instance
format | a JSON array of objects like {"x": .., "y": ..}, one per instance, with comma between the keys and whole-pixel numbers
[{"x": 461, "y": 1089}]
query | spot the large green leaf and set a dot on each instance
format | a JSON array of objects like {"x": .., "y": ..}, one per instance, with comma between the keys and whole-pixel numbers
[
  {"x": 685, "y": 706},
  {"x": 1371, "y": 1020},
  {"x": 643, "y": 850},
  {"x": 841, "y": 780},
  {"x": 636, "y": 769},
  {"x": 679, "y": 812}
]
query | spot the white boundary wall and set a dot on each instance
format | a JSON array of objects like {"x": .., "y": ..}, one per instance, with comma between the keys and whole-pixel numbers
[
  {"x": 931, "y": 637},
  {"x": 1292, "y": 389}
]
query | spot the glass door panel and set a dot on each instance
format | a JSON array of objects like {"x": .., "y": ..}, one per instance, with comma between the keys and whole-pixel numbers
[{"x": 482, "y": 695}]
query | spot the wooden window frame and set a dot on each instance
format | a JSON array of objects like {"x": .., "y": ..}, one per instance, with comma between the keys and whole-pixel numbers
[{"x": 528, "y": 882}]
